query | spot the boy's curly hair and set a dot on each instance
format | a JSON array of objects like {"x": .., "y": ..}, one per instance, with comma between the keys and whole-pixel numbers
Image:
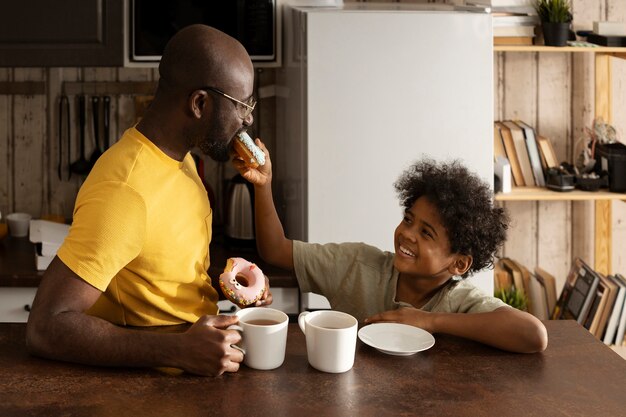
[{"x": 474, "y": 226}]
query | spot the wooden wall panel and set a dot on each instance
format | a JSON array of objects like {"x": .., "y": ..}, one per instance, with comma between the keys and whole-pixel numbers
[
  {"x": 616, "y": 11},
  {"x": 553, "y": 121},
  {"x": 28, "y": 142},
  {"x": 519, "y": 101},
  {"x": 6, "y": 151}
]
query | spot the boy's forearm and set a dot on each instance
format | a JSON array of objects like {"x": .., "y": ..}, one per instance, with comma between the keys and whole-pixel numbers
[
  {"x": 272, "y": 244},
  {"x": 504, "y": 328}
]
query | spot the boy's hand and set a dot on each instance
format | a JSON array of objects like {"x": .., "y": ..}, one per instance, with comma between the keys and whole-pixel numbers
[
  {"x": 405, "y": 315},
  {"x": 258, "y": 176}
]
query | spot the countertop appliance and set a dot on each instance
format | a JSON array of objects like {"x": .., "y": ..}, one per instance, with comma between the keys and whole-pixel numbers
[
  {"x": 365, "y": 90},
  {"x": 239, "y": 221}
]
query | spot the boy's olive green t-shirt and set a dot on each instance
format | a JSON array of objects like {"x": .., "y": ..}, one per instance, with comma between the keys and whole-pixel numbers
[{"x": 360, "y": 279}]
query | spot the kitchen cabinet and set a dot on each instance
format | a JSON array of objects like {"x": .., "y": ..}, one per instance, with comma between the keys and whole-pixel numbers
[
  {"x": 15, "y": 304},
  {"x": 69, "y": 33},
  {"x": 603, "y": 108}
]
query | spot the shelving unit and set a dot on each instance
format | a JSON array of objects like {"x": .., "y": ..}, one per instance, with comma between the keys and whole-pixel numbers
[{"x": 603, "y": 109}]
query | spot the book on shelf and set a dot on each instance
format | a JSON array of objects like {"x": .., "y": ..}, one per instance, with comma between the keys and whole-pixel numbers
[
  {"x": 606, "y": 28},
  {"x": 513, "y": 31},
  {"x": 514, "y": 19},
  {"x": 546, "y": 151},
  {"x": 606, "y": 291},
  {"x": 538, "y": 298},
  {"x": 498, "y": 145},
  {"x": 513, "y": 40},
  {"x": 502, "y": 279},
  {"x": 513, "y": 268},
  {"x": 621, "y": 325},
  {"x": 549, "y": 285},
  {"x": 522, "y": 152},
  {"x": 502, "y": 170},
  {"x": 502, "y": 3},
  {"x": 616, "y": 311},
  {"x": 511, "y": 154},
  {"x": 606, "y": 40},
  {"x": 578, "y": 293},
  {"x": 533, "y": 153}
]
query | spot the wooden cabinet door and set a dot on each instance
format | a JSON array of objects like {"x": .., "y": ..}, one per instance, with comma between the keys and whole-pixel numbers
[{"x": 61, "y": 33}]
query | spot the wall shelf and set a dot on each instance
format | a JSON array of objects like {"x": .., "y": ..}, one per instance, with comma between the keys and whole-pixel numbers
[
  {"x": 603, "y": 108},
  {"x": 544, "y": 194},
  {"x": 541, "y": 48}
]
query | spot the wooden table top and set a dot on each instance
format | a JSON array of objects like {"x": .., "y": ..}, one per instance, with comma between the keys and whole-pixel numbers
[{"x": 576, "y": 376}]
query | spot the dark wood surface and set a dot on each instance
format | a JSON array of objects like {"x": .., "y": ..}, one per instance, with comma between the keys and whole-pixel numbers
[
  {"x": 576, "y": 376},
  {"x": 18, "y": 269}
]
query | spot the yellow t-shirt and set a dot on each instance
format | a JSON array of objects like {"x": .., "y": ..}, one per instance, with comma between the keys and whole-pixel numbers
[{"x": 141, "y": 234}]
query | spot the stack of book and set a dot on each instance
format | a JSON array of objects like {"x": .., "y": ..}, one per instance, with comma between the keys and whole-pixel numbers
[
  {"x": 608, "y": 34},
  {"x": 595, "y": 301},
  {"x": 538, "y": 286},
  {"x": 528, "y": 154},
  {"x": 514, "y": 21},
  {"x": 47, "y": 237}
]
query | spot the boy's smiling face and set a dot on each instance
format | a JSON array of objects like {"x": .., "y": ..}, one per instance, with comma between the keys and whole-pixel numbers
[{"x": 422, "y": 245}]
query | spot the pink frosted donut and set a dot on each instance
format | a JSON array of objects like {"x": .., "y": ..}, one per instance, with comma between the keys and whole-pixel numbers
[{"x": 242, "y": 282}]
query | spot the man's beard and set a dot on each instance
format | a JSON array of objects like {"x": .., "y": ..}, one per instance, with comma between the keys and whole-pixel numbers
[{"x": 218, "y": 150}]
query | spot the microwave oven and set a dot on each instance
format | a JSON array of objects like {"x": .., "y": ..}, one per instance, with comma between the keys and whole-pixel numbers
[{"x": 254, "y": 23}]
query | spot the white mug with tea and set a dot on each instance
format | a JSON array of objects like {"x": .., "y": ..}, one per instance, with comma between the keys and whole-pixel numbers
[
  {"x": 330, "y": 339},
  {"x": 263, "y": 336}
]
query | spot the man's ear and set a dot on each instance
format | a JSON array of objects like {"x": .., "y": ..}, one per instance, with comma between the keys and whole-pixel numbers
[
  {"x": 197, "y": 100},
  {"x": 461, "y": 264}
]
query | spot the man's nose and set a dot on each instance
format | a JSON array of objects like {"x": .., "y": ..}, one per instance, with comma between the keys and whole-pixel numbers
[{"x": 247, "y": 122}]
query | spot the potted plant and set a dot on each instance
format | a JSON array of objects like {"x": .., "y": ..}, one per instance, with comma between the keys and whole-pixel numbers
[
  {"x": 514, "y": 298},
  {"x": 556, "y": 18}
]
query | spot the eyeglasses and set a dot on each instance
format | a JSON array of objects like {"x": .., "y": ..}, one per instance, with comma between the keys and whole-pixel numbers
[{"x": 243, "y": 109}]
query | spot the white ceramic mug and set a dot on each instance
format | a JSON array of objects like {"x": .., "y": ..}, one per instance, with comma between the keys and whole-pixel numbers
[
  {"x": 18, "y": 224},
  {"x": 263, "y": 336},
  {"x": 330, "y": 339}
]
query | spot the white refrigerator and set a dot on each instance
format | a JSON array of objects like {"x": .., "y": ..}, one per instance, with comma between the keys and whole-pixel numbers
[{"x": 364, "y": 91}]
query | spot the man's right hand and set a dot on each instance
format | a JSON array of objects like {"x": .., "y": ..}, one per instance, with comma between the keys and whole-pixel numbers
[{"x": 207, "y": 346}]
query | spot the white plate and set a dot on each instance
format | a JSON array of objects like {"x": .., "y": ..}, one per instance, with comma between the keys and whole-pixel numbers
[{"x": 396, "y": 339}]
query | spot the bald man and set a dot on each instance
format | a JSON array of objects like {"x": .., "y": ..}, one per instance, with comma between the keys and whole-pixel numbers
[{"x": 137, "y": 252}]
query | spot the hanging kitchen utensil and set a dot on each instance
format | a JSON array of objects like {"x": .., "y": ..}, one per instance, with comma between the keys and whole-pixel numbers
[
  {"x": 81, "y": 166},
  {"x": 64, "y": 134},
  {"x": 60, "y": 121},
  {"x": 107, "y": 116},
  {"x": 95, "y": 101}
]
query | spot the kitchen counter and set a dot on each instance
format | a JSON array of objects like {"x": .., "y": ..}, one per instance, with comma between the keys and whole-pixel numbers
[
  {"x": 17, "y": 263},
  {"x": 576, "y": 376}
]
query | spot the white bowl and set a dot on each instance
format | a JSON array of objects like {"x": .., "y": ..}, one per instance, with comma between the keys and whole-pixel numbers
[{"x": 18, "y": 224}]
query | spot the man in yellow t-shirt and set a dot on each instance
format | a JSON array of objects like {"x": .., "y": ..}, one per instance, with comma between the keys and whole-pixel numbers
[{"x": 137, "y": 253}]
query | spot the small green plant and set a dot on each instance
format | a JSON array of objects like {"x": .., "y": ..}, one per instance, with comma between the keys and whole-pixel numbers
[
  {"x": 554, "y": 11},
  {"x": 513, "y": 297}
]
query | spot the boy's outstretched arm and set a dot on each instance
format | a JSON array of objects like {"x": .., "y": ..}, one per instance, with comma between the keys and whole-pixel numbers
[
  {"x": 505, "y": 328},
  {"x": 272, "y": 244}
]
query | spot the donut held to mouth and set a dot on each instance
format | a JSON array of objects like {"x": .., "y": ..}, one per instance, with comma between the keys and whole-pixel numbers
[{"x": 251, "y": 154}]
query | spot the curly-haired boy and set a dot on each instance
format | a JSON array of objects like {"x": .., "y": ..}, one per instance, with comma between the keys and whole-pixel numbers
[{"x": 450, "y": 229}]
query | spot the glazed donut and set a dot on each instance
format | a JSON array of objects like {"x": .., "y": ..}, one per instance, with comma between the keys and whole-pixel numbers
[
  {"x": 242, "y": 282},
  {"x": 251, "y": 154}
]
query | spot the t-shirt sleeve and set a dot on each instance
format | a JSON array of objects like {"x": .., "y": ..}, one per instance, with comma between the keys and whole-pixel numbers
[
  {"x": 107, "y": 232},
  {"x": 320, "y": 268},
  {"x": 466, "y": 298}
]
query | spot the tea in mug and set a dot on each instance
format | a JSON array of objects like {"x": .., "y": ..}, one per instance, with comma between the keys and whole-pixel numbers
[{"x": 262, "y": 322}]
